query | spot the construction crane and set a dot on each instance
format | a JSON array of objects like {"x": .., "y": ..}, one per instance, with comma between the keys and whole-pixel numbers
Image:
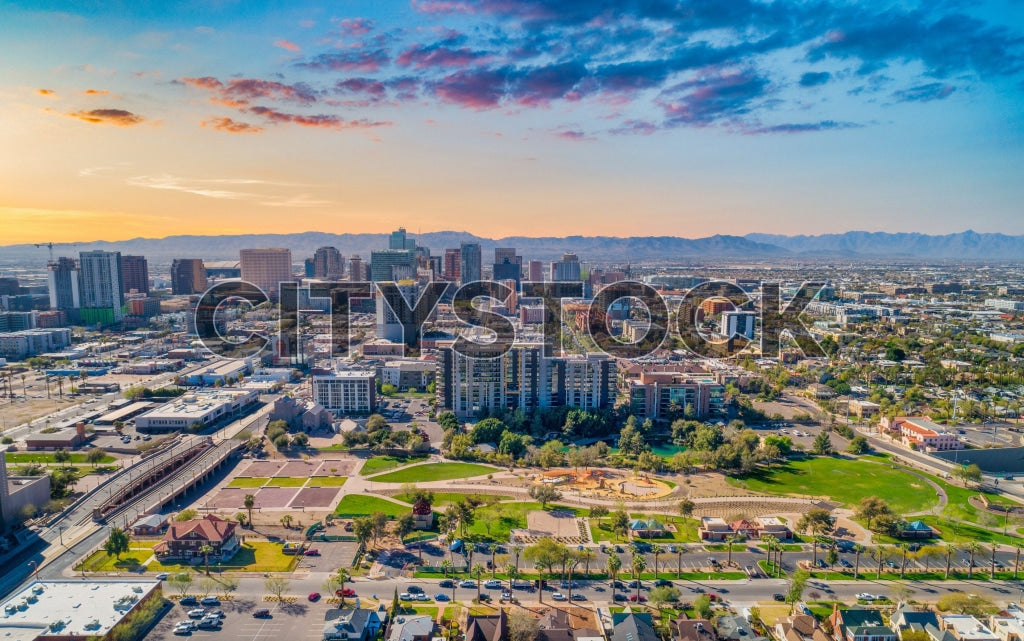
[{"x": 50, "y": 247}]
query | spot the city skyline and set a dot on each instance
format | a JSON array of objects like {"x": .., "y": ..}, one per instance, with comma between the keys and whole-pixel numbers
[{"x": 708, "y": 119}]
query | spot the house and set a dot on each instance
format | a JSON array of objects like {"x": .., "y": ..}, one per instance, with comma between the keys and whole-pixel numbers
[
  {"x": 629, "y": 626},
  {"x": 820, "y": 392},
  {"x": 859, "y": 624},
  {"x": 693, "y": 630},
  {"x": 1007, "y": 628},
  {"x": 487, "y": 627},
  {"x": 412, "y": 628},
  {"x": 184, "y": 539},
  {"x": 907, "y": 618},
  {"x": 799, "y": 627},
  {"x": 736, "y": 628},
  {"x": 149, "y": 524},
  {"x": 964, "y": 627},
  {"x": 422, "y": 514},
  {"x": 714, "y": 528},
  {"x": 647, "y": 528},
  {"x": 353, "y": 625}
]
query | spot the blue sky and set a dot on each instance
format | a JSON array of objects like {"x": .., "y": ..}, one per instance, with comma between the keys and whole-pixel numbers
[{"x": 504, "y": 117}]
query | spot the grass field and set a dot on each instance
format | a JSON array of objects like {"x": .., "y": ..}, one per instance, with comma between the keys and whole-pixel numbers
[
  {"x": 287, "y": 481},
  {"x": 254, "y": 556},
  {"x": 435, "y": 472},
  {"x": 502, "y": 518},
  {"x": 444, "y": 498},
  {"x": 363, "y": 505},
  {"x": 47, "y": 457},
  {"x": 248, "y": 481},
  {"x": 327, "y": 481},
  {"x": 844, "y": 480},
  {"x": 100, "y": 561},
  {"x": 378, "y": 464}
]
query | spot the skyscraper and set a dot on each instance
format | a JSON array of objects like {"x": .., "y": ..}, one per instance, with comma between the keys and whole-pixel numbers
[
  {"x": 328, "y": 263},
  {"x": 135, "y": 274},
  {"x": 566, "y": 270},
  {"x": 188, "y": 276},
  {"x": 63, "y": 284},
  {"x": 267, "y": 269},
  {"x": 536, "y": 271},
  {"x": 399, "y": 240},
  {"x": 356, "y": 269},
  {"x": 392, "y": 264},
  {"x": 450, "y": 265},
  {"x": 470, "y": 262},
  {"x": 101, "y": 290},
  {"x": 501, "y": 254}
]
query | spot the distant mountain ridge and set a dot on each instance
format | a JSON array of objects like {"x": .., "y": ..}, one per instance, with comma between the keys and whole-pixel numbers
[{"x": 968, "y": 245}]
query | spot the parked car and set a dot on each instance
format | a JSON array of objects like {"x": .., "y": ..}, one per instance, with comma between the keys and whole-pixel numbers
[
  {"x": 778, "y": 596},
  {"x": 405, "y": 596},
  {"x": 181, "y": 630},
  {"x": 210, "y": 600},
  {"x": 446, "y": 583},
  {"x": 558, "y": 596},
  {"x": 163, "y": 576},
  {"x": 576, "y": 596},
  {"x": 414, "y": 589},
  {"x": 314, "y": 596},
  {"x": 345, "y": 592},
  {"x": 196, "y": 613},
  {"x": 262, "y": 613},
  {"x": 467, "y": 583},
  {"x": 662, "y": 583},
  {"x": 492, "y": 584},
  {"x": 620, "y": 597},
  {"x": 845, "y": 563},
  {"x": 441, "y": 596},
  {"x": 188, "y": 600},
  {"x": 312, "y": 552},
  {"x": 638, "y": 598},
  {"x": 866, "y": 596},
  {"x": 209, "y": 623}
]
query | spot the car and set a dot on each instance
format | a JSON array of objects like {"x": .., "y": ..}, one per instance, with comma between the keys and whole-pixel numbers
[
  {"x": 672, "y": 549},
  {"x": 662, "y": 583},
  {"x": 414, "y": 589},
  {"x": 620, "y": 597},
  {"x": 314, "y": 596},
  {"x": 446, "y": 583},
  {"x": 421, "y": 597},
  {"x": 558, "y": 596},
  {"x": 891, "y": 565},
  {"x": 209, "y": 624},
  {"x": 196, "y": 613},
  {"x": 576, "y": 596},
  {"x": 186, "y": 623},
  {"x": 163, "y": 576},
  {"x": 181, "y": 630},
  {"x": 312, "y": 552},
  {"x": 210, "y": 600},
  {"x": 441, "y": 596},
  {"x": 506, "y": 595},
  {"x": 345, "y": 592},
  {"x": 619, "y": 584},
  {"x": 484, "y": 597},
  {"x": 845, "y": 563},
  {"x": 188, "y": 600},
  {"x": 866, "y": 596},
  {"x": 492, "y": 584},
  {"x": 638, "y": 598},
  {"x": 405, "y": 596},
  {"x": 778, "y": 596},
  {"x": 218, "y": 613},
  {"x": 467, "y": 583},
  {"x": 456, "y": 545},
  {"x": 821, "y": 564},
  {"x": 262, "y": 613}
]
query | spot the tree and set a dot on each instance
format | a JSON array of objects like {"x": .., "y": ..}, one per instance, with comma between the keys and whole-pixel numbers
[
  {"x": 186, "y": 515},
  {"x": 362, "y": 528},
  {"x": 663, "y": 595},
  {"x": 241, "y": 518},
  {"x": 544, "y": 493},
  {"x": 545, "y": 555},
  {"x": 523, "y": 626},
  {"x": 702, "y": 606},
  {"x": 95, "y": 456},
  {"x": 379, "y": 525},
  {"x": 117, "y": 543},
  {"x": 248, "y": 502},
  {"x": 181, "y": 582},
  {"x": 822, "y": 444},
  {"x": 614, "y": 565},
  {"x": 276, "y": 585},
  {"x": 901, "y": 592},
  {"x": 206, "y": 550},
  {"x": 973, "y": 604},
  {"x": 972, "y": 548},
  {"x": 405, "y": 525},
  {"x": 286, "y": 521},
  {"x": 967, "y": 473},
  {"x": 598, "y": 512},
  {"x": 858, "y": 445},
  {"x": 343, "y": 577},
  {"x": 796, "y": 585},
  {"x": 816, "y": 521},
  {"x": 62, "y": 456},
  {"x": 478, "y": 572},
  {"x": 870, "y": 508},
  {"x": 639, "y": 565},
  {"x": 686, "y": 508},
  {"x": 731, "y": 540}
]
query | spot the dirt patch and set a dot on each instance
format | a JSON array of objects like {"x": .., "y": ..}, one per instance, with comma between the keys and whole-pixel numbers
[{"x": 316, "y": 497}]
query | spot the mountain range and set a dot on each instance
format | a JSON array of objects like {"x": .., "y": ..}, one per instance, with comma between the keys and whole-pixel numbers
[{"x": 967, "y": 245}]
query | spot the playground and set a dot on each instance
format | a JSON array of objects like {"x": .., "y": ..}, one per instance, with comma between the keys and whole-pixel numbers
[{"x": 606, "y": 484}]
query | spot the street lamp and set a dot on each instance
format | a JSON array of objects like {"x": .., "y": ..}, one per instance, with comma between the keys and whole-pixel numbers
[{"x": 35, "y": 568}]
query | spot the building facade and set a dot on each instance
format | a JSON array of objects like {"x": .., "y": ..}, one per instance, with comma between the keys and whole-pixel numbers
[
  {"x": 346, "y": 392},
  {"x": 267, "y": 269},
  {"x": 135, "y": 274},
  {"x": 188, "y": 276}
]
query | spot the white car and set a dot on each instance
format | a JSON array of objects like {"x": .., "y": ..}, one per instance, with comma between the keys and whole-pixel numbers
[
  {"x": 197, "y": 613},
  {"x": 558, "y": 596},
  {"x": 467, "y": 583},
  {"x": 405, "y": 596},
  {"x": 866, "y": 596},
  {"x": 422, "y": 597},
  {"x": 492, "y": 584}
]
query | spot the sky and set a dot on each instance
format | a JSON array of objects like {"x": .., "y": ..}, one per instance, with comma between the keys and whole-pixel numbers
[{"x": 508, "y": 117}]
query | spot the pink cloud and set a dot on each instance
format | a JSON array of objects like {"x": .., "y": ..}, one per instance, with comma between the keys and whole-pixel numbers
[{"x": 290, "y": 46}]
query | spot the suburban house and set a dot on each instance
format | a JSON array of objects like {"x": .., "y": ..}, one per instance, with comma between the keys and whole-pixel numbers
[
  {"x": 859, "y": 624},
  {"x": 964, "y": 627},
  {"x": 423, "y": 514},
  {"x": 1008, "y": 628},
  {"x": 487, "y": 627},
  {"x": 185, "y": 539},
  {"x": 685, "y": 629},
  {"x": 353, "y": 625},
  {"x": 628, "y": 626},
  {"x": 907, "y": 618},
  {"x": 799, "y": 627},
  {"x": 736, "y": 628},
  {"x": 412, "y": 628},
  {"x": 149, "y": 524}
]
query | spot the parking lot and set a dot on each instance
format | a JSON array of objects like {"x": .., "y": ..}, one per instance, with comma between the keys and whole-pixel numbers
[{"x": 300, "y": 620}]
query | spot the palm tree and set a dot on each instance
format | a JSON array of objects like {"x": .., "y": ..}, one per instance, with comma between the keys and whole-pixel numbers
[
  {"x": 587, "y": 554},
  {"x": 949, "y": 549},
  {"x": 205, "y": 550},
  {"x": 972, "y": 547},
  {"x": 614, "y": 565},
  {"x": 879, "y": 553},
  {"x": 992, "y": 562},
  {"x": 469, "y": 548},
  {"x": 286, "y": 521},
  {"x": 517, "y": 550},
  {"x": 513, "y": 574},
  {"x": 1016, "y": 564},
  {"x": 493, "y": 549},
  {"x": 343, "y": 576},
  {"x": 639, "y": 565},
  {"x": 446, "y": 567},
  {"x": 656, "y": 551},
  {"x": 858, "y": 549},
  {"x": 679, "y": 565},
  {"x": 249, "y": 501},
  {"x": 729, "y": 540},
  {"x": 772, "y": 541},
  {"x": 478, "y": 571},
  {"x": 904, "y": 549}
]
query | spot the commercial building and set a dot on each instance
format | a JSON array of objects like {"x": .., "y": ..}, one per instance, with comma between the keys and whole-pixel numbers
[
  {"x": 357, "y": 270},
  {"x": 220, "y": 371},
  {"x": 101, "y": 290},
  {"x": 217, "y": 269},
  {"x": 346, "y": 392},
  {"x": 184, "y": 540},
  {"x": 392, "y": 264},
  {"x": 30, "y": 342},
  {"x": 567, "y": 270},
  {"x": 267, "y": 269},
  {"x": 400, "y": 240},
  {"x": 18, "y": 492},
  {"x": 64, "y": 610},
  {"x": 203, "y": 407},
  {"x": 407, "y": 375},
  {"x": 188, "y": 276},
  {"x": 134, "y": 274},
  {"x": 328, "y": 263},
  {"x": 657, "y": 395},
  {"x": 920, "y": 433},
  {"x": 470, "y": 262},
  {"x": 451, "y": 264},
  {"x": 737, "y": 323},
  {"x": 63, "y": 284}
]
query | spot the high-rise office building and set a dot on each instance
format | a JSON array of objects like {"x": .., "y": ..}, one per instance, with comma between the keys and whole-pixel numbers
[
  {"x": 357, "y": 269},
  {"x": 566, "y": 270},
  {"x": 508, "y": 271},
  {"x": 135, "y": 274},
  {"x": 397, "y": 321},
  {"x": 536, "y": 271},
  {"x": 392, "y": 264},
  {"x": 101, "y": 290},
  {"x": 470, "y": 262},
  {"x": 328, "y": 263},
  {"x": 188, "y": 276},
  {"x": 738, "y": 323},
  {"x": 267, "y": 269},
  {"x": 63, "y": 284},
  {"x": 501, "y": 254},
  {"x": 450, "y": 265},
  {"x": 400, "y": 240}
]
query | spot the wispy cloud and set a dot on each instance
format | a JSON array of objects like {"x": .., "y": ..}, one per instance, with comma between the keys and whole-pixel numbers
[
  {"x": 117, "y": 117},
  {"x": 189, "y": 186},
  {"x": 49, "y": 93},
  {"x": 288, "y": 46},
  {"x": 925, "y": 93},
  {"x": 232, "y": 126}
]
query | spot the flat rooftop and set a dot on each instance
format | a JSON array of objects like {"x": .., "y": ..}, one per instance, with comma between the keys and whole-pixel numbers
[{"x": 65, "y": 608}]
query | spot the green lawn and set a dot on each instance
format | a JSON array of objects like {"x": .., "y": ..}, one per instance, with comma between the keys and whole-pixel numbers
[
  {"x": 286, "y": 481},
  {"x": 961, "y": 532},
  {"x": 377, "y": 464},
  {"x": 844, "y": 480},
  {"x": 248, "y": 481},
  {"x": 444, "y": 498},
  {"x": 502, "y": 518},
  {"x": 686, "y": 530},
  {"x": 100, "y": 561},
  {"x": 435, "y": 472},
  {"x": 327, "y": 481},
  {"x": 254, "y": 556},
  {"x": 363, "y": 504},
  {"x": 47, "y": 457}
]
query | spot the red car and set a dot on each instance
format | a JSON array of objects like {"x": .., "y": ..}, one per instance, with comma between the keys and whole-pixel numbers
[
  {"x": 345, "y": 592},
  {"x": 312, "y": 552},
  {"x": 634, "y": 599},
  {"x": 314, "y": 596}
]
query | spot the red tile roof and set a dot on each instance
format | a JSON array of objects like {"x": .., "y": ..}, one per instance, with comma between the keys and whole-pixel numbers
[{"x": 209, "y": 528}]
